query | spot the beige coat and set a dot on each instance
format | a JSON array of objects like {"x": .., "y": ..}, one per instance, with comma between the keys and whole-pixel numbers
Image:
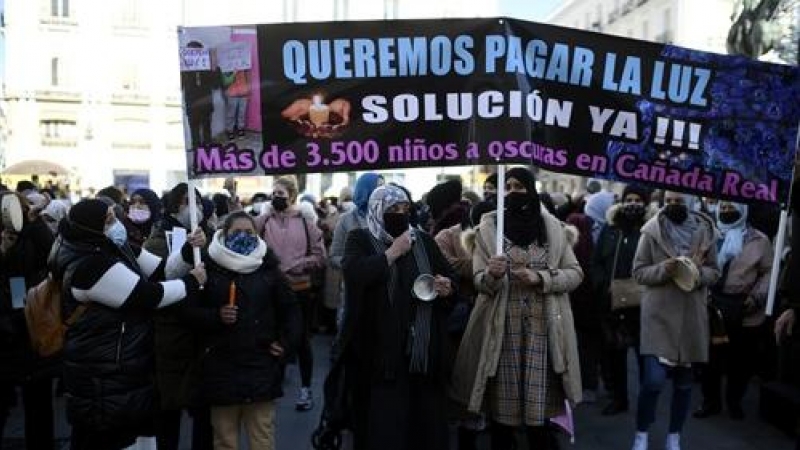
[
  {"x": 674, "y": 322},
  {"x": 479, "y": 352}
]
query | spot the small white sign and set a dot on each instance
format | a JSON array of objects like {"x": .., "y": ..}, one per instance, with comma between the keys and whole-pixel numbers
[
  {"x": 178, "y": 239},
  {"x": 234, "y": 56},
  {"x": 195, "y": 59}
]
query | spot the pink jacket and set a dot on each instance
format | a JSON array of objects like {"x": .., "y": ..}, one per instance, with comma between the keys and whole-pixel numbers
[{"x": 284, "y": 234}]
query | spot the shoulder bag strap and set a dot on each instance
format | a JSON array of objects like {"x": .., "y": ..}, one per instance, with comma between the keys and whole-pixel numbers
[
  {"x": 616, "y": 257},
  {"x": 65, "y": 290},
  {"x": 308, "y": 238}
]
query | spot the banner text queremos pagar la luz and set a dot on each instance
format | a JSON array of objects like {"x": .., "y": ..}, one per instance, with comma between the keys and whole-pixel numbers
[{"x": 346, "y": 96}]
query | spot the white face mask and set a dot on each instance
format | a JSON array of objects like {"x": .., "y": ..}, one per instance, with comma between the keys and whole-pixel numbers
[
  {"x": 184, "y": 218},
  {"x": 117, "y": 233}
]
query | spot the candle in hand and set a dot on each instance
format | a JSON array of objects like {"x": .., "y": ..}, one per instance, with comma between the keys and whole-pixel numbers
[{"x": 232, "y": 294}]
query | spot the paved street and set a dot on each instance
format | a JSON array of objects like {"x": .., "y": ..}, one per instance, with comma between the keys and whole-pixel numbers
[{"x": 594, "y": 432}]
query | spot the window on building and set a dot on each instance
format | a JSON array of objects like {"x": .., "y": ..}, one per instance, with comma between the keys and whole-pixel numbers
[
  {"x": 58, "y": 129},
  {"x": 131, "y": 131},
  {"x": 129, "y": 13},
  {"x": 597, "y": 24},
  {"x": 54, "y": 71},
  {"x": 290, "y": 10},
  {"x": 59, "y": 8},
  {"x": 340, "y": 9},
  {"x": 390, "y": 9}
]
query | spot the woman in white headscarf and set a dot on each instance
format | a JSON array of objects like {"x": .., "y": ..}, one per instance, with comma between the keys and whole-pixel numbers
[
  {"x": 745, "y": 259},
  {"x": 53, "y": 213},
  {"x": 394, "y": 343},
  {"x": 596, "y": 207}
]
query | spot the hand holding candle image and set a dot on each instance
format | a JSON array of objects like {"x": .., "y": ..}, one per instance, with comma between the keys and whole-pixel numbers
[
  {"x": 313, "y": 118},
  {"x": 318, "y": 112}
]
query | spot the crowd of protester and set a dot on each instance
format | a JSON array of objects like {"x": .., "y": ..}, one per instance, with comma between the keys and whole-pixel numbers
[{"x": 435, "y": 325}]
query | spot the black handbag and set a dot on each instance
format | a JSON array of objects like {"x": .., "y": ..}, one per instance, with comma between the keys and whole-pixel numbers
[
  {"x": 716, "y": 325},
  {"x": 731, "y": 306}
]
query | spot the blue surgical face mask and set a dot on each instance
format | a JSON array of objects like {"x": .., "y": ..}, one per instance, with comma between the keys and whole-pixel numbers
[
  {"x": 117, "y": 233},
  {"x": 241, "y": 242}
]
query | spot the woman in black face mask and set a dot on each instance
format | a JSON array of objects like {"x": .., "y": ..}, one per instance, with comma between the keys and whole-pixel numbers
[
  {"x": 531, "y": 353},
  {"x": 745, "y": 258},
  {"x": 617, "y": 241},
  {"x": 394, "y": 339},
  {"x": 675, "y": 333},
  {"x": 291, "y": 231}
]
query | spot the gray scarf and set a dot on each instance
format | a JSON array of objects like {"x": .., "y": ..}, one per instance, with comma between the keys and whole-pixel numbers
[
  {"x": 419, "y": 333},
  {"x": 681, "y": 236}
]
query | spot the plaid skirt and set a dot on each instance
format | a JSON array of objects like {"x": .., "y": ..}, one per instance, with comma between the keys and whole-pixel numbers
[{"x": 525, "y": 390}]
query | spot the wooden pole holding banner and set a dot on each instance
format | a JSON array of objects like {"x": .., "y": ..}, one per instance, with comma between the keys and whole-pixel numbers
[
  {"x": 501, "y": 206},
  {"x": 780, "y": 239},
  {"x": 192, "y": 198}
]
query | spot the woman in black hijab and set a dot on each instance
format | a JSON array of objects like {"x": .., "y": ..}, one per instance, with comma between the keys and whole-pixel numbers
[
  {"x": 144, "y": 210},
  {"x": 523, "y": 369}
]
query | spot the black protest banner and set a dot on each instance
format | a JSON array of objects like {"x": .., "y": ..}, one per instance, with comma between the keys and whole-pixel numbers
[{"x": 348, "y": 96}]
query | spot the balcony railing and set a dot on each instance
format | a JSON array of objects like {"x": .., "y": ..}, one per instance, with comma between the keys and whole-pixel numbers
[
  {"x": 59, "y": 95},
  {"x": 139, "y": 145},
  {"x": 57, "y": 21},
  {"x": 52, "y": 141},
  {"x": 130, "y": 98}
]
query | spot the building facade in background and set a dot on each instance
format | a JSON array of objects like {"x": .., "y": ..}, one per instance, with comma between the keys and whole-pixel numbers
[
  {"x": 92, "y": 87},
  {"x": 701, "y": 25}
]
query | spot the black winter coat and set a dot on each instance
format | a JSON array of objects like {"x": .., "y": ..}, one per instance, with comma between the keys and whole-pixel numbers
[
  {"x": 376, "y": 332},
  {"x": 27, "y": 259},
  {"x": 176, "y": 344},
  {"x": 622, "y": 326},
  {"x": 236, "y": 366},
  {"x": 108, "y": 351}
]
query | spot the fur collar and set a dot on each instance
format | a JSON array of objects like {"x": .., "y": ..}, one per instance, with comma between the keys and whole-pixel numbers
[{"x": 303, "y": 208}]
